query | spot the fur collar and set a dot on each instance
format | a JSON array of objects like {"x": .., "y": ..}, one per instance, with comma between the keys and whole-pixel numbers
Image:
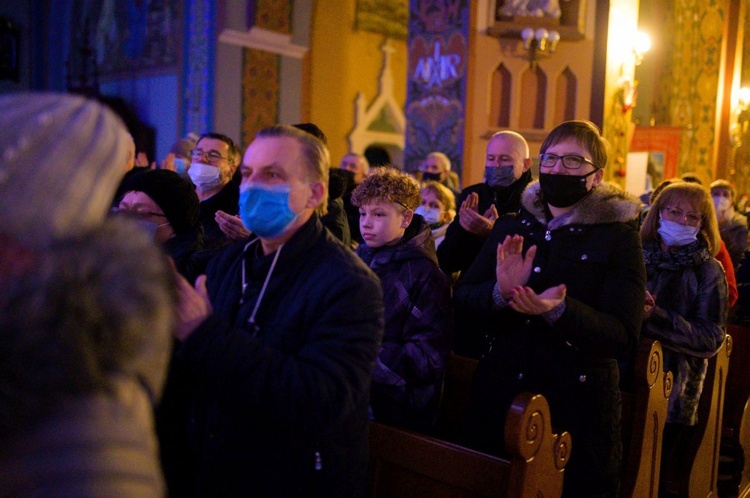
[{"x": 606, "y": 204}]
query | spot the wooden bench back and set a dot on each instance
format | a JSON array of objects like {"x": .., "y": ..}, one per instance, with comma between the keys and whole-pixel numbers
[
  {"x": 695, "y": 473},
  {"x": 735, "y": 443},
  {"x": 644, "y": 413},
  {"x": 407, "y": 464}
]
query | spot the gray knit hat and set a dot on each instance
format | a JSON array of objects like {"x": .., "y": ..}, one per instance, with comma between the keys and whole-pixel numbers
[{"x": 61, "y": 159}]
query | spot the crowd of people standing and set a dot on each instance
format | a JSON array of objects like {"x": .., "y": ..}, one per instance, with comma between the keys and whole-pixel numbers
[{"x": 303, "y": 301}]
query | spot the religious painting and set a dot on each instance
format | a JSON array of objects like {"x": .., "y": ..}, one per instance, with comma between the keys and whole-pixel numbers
[
  {"x": 663, "y": 145},
  {"x": 436, "y": 91},
  {"x": 385, "y": 17},
  {"x": 126, "y": 36}
]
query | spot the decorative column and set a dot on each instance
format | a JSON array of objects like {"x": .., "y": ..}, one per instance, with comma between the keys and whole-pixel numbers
[
  {"x": 199, "y": 53},
  {"x": 436, "y": 92}
]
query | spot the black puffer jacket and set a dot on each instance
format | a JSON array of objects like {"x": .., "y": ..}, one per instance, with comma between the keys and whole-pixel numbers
[
  {"x": 459, "y": 248},
  {"x": 282, "y": 409},
  {"x": 227, "y": 199},
  {"x": 596, "y": 253},
  {"x": 418, "y": 321}
]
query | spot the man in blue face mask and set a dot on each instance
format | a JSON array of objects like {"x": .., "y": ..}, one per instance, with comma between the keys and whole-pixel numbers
[{"x": 282, "y": 334}]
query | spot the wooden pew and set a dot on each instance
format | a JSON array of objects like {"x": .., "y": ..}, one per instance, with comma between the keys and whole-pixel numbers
[
  {"x": 459, "y": 370},
  {"x": 695, "y": 473},
  {"x": 406, "y": 464},
  {"x": 734, "y": 442},
  {"x": 644, "y": 413}
]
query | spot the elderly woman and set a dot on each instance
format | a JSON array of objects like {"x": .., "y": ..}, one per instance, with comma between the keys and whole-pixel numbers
[
  {"x": 687, "y": 301},
  {"x": 563, "y": 282}
]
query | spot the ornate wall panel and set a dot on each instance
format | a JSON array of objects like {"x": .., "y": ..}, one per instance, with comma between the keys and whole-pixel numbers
[
  {"x": 687, "y": 95},
  {"x": 260, "y": 70},
  {"x": 436, "y": 91}
]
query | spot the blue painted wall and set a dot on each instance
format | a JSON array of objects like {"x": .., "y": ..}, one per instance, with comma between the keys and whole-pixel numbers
[{"x": 154, "y": 100}]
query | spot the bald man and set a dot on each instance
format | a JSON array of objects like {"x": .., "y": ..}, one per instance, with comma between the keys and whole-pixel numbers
[{"x": 506, "y": 175}]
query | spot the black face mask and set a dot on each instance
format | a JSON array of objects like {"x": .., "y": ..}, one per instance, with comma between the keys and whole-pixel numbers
[
  {"x": 426, "y": 177},
  {"x": 562, "y": 191}
]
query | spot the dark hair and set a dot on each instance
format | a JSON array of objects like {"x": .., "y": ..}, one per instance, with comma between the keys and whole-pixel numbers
[
  {"x": 586, "y": 133},
  {"x": 313, "y": 130},
  {"x": 234, "y": 151},
  {"x": 174, "y": 194},
  {"x": 691, "y": 178}
]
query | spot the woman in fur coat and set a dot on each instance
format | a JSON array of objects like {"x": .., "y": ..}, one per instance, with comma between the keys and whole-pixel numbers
[{"x": 564, "y": 283}]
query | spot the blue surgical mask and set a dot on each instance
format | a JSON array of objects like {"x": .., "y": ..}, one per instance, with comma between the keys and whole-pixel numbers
[
  {"x": 180, "y": 166},
  {"x": 675, "y": 235},
  {"x": 265, "y": 210},
  {"x": 430, "y": 215}
]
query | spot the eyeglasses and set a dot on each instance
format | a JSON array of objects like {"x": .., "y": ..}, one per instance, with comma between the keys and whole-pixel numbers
[
  {"x": 676, "y": 215},
  {"x": 213, "y": 156},
  {"x": 141, "y": 215},
  {"x": 571, "y": 161}
]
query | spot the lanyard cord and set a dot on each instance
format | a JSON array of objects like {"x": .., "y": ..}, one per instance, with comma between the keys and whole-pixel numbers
[{"x": 251, "y": 320}]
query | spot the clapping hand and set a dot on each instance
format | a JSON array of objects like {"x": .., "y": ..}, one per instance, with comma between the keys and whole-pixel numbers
[
  {"x": 473, "y": 222},
  {"x": 525, "y": 300},
  {"x": 232, "y": 226},
  {"x": 193, "y": 307},
  {"x": 648, "y": 308},
  {"x": 513, "y": 268}
]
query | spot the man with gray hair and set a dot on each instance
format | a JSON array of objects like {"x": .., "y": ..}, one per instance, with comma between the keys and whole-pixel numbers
[
  {"x": 281, "y": 335},
  {"x": 437, "y": 167}
]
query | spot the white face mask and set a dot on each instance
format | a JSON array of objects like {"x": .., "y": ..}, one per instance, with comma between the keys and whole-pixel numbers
[
  {"x": 430, "y": 215},
  {"x": 721, "y": 203},
  {"x": 204, "y": 176},
  {"x": 675, "y": 235}
]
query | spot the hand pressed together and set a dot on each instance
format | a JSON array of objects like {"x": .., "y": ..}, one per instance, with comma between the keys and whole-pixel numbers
[
  {"x": 473, "y": 222},
  {"x": 232, "y": 226},
  {"x": 525, "y": 300}
]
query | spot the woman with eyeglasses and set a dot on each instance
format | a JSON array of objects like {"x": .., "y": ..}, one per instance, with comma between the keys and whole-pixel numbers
[
  {"x": 563, "y": 282},
  {"x": 687, "y": 298}
]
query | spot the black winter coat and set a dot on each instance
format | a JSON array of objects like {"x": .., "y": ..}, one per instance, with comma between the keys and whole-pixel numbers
[
  {"x": 597, "y": 254},
  {"x": 459, "y": 248},
  {"x": 227, "y": 199},
  {"x": 409, "y": 370},
  {"x": 282, "y": 409}
]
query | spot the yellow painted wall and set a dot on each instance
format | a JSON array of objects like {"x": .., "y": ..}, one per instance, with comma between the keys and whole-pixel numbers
[
  {"x": 687, "y": 96},
  {"x": 342, "y": 63},
  {"x": 486, "y": 54},
  {"x": 620, "y": 77}
]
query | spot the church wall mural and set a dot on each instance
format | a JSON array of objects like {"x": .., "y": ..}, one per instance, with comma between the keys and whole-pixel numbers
[{"x": 436, "y": 88}]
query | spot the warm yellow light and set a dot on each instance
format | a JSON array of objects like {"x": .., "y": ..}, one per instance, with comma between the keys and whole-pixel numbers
[
  {"x": 744, "y": 97},
  {"x": 642, "y": 43}
]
